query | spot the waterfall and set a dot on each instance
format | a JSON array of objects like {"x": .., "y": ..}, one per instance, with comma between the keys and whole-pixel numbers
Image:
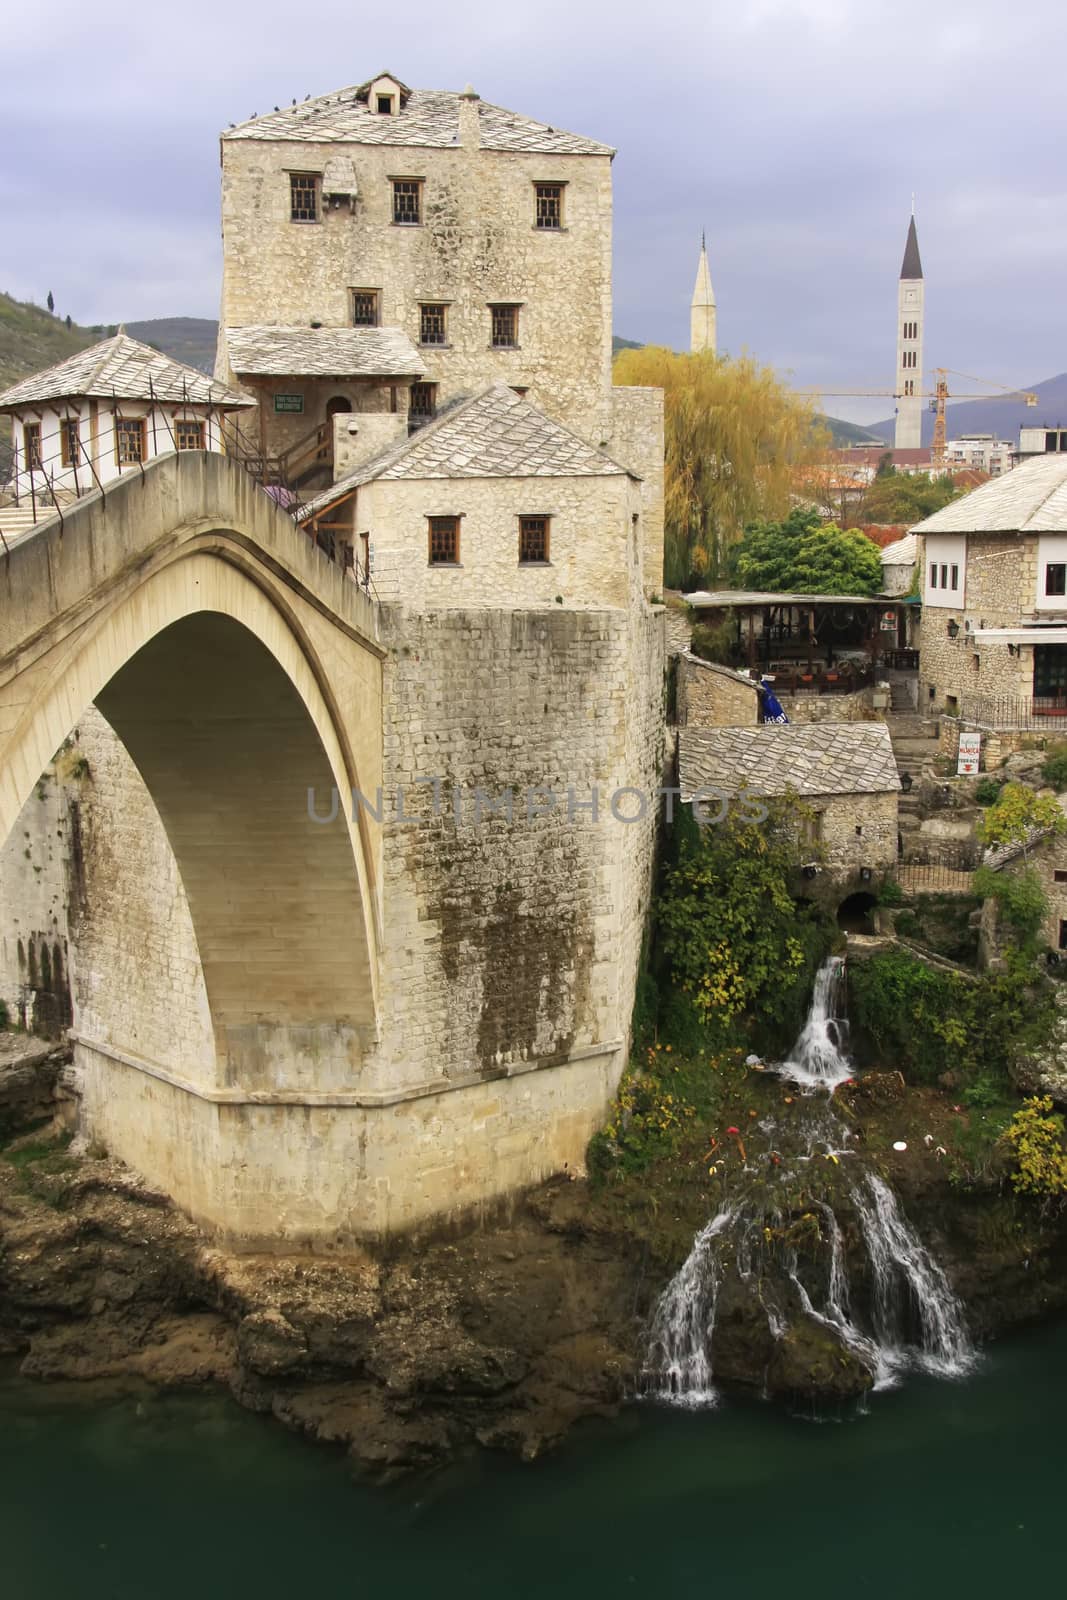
[
  {"x": 915, "y": 1319},
  {"x": 678, "y": 1364},
  {"x": 820, "y": 1056},
  {"x": 911, "y": 1293}
]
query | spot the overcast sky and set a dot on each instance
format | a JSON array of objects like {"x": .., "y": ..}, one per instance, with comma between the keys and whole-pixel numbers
[{"x": 794, "y": 131}]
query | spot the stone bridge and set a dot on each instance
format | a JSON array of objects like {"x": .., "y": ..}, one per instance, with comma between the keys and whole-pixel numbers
[{"x": 286, "y": 1073}]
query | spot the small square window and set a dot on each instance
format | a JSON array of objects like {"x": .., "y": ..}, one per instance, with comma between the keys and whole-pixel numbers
[
  {"x": 548, "y": 211},
  {"x": 385, "y": 105},
  {"x": 433, "y": 324},
  {"x": 189, "y": 434},
  {"x": 70, "y": 450},
  {"x": 365, "y": 308},
  {"x": 444, "y": 541},
  {"x": 304, "y": 194},
  {"x": 533, "y": 540},
  {"x": 504, "y": 334},
  {"x": 1056, "y": 577},
  {"x": 1059, "y": 877},
  {"x": 31, "y": 445},
  {"x": 407, "y": 202},
  {"x": 129, "y": 440},
  {"x": 423, "y": 401}
]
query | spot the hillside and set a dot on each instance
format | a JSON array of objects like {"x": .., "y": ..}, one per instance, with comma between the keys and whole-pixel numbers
[
  {"x": 188, "y": 339},
  {"x": 1002, "y": 417},
  {"x": 844, "y": 433},
  {"x": 31, "y": 338}
]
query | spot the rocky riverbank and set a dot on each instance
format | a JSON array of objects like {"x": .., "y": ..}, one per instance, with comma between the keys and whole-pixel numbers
[{"x": 504, "y": 1337}]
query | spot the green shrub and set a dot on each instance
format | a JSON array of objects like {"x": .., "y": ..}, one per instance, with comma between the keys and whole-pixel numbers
[
  {"x": 717, "y": 644},
  {"x": 928, "y": 1022},
  {"x": 987, "y": 791},
  {"x": 890, "y": 893},
  {"x": 908, "y": 925},
  {"x": 1054, "y": 770},
  {"x": 1020, "y": 899}
]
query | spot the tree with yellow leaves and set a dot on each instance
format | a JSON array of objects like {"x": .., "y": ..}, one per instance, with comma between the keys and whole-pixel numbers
[{"x": 735, "y": 441}]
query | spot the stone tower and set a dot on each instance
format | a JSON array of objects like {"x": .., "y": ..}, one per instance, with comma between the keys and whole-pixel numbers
[
  {"x": 909, "y": 379},
  {"x": 702, "y": 330}
]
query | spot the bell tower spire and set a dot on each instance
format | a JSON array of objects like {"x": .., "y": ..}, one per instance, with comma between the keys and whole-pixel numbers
[
  {"x": 909, "y": 378},
  {"x": 702, "y": 311}
]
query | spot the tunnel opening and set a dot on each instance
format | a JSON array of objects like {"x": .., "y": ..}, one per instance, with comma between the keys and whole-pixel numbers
[{"x": 855, "y": 914}]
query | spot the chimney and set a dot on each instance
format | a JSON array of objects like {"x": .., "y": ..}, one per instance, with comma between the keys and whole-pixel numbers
[{"x": 470, "y": 133}]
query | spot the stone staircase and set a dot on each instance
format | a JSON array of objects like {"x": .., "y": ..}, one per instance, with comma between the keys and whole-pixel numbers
[
  {"x": 915, "y": 742},
  {"x": 15, "y": 521}
]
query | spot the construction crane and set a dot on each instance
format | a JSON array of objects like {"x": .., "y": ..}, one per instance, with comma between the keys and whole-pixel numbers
[{"x": 939, "y": 397}]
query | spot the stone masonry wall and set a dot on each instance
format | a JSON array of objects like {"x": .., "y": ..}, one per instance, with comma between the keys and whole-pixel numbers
[
  {"x": 711, "y": 696},
  {"x": 592, "y": 561},
  {"x": 858, "y": 830},
  {"x": 477, "y": 244},
  {"x": 831, "y": 707},
  {"x": 34, "y": 960},
  {"x": 1001, "y": 580},
  {"x": 516, "y": 941}
]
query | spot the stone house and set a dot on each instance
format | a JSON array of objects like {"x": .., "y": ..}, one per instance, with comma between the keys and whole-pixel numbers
[
  {"x": 492, "y": 503},
  {"x": 994, "y": 595},
  {"x": 105, "y": 411},
  {"x": 844, "y": 773}
]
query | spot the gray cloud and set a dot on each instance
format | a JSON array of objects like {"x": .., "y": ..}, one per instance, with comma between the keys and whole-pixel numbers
[{"x": 794, "y": 130}]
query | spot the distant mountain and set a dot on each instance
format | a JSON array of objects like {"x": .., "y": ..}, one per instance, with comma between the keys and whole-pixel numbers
[
  {"x": 188, "y": 339},
  {"x": 1002, "y": 417},
  {"x": 848, "y": 432},
  {"x": 618, "y": 344},
  {"x": 32, "y": 338}
]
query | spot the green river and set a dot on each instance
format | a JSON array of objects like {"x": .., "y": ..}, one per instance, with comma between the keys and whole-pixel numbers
[{"x": 943, "y": 1489}]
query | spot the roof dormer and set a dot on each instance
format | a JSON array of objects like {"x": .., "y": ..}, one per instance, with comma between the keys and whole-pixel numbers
[{"x": 385, "y": 96}]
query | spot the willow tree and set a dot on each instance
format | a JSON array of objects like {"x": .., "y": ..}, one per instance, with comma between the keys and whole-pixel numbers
[{"x": 735, "y": 441}]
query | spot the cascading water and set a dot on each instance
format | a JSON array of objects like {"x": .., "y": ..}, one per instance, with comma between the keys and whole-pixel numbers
[
  {"x": 915, "y": 1319},
  {"x": 820, "y": 1055},
  {"x": 679, "y": 1361}
]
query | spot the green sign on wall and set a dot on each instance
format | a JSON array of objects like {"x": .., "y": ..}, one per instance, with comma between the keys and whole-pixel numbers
[{"x": 288, "y": 402}]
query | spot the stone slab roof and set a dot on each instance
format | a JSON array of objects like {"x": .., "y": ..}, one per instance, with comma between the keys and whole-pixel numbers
[
  {"x": 429, "y": 119},
  {"x": 822, "y": 758},
  {"x": 901, "y": 553},
  {"x": 1030, "y": 499},
  {"x": 124, "y": 369},
  {"x": 494, "y": 434},
  {"x": 719, "y": 670},
  {"x": 274, "y": 351}
]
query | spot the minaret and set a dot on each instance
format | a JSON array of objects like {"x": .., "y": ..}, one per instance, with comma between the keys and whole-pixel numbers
[
  {"x": 702, "y": 330},
  {"x": 909, "y": 380}
]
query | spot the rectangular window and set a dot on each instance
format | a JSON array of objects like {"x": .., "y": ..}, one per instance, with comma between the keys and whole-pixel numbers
[
  {"x": 31, "y": 445},
  {"x": 407, "y": 202},
  {"x": 1063, "y": 935},
  {"x": 385, "y": 105},
  {"x": 1056, "y": 577},
  {"x": 955, "y": 578},
  {"x": 444, "y": 541},
  {"x": 1059, "y": 877},
  {"x": 533, "y": 540},
  {"x": 423, "y": 402},
  {"x": 433, "y": 324},
  {"x": 70, "y": 453},
  {"x": 364, "y": 308},
  {"x": 189, "y": 434},
  {"x": 933, "y": 574},
  {"x": 304, "y": 190},
  {"x": 548, "y": 211},
  {"x": 504, "y": 334},
  {"x": 909, "y": 385},
  {"x": 944, "y": 575},
  {"x": 129, "y": 440}
]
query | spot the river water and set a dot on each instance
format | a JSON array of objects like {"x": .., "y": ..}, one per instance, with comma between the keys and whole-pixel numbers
[{"x": 943, "y": 1489}]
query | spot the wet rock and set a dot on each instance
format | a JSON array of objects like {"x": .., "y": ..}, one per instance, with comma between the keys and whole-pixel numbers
[
  {"x": 812, "y": 1359},
  {"x": 269, "y": 1345},
  {"x": 881, "y": 1088}
]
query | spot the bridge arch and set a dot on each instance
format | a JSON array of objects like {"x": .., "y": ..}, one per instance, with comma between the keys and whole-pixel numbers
[{"x": 202, "y": 664}]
